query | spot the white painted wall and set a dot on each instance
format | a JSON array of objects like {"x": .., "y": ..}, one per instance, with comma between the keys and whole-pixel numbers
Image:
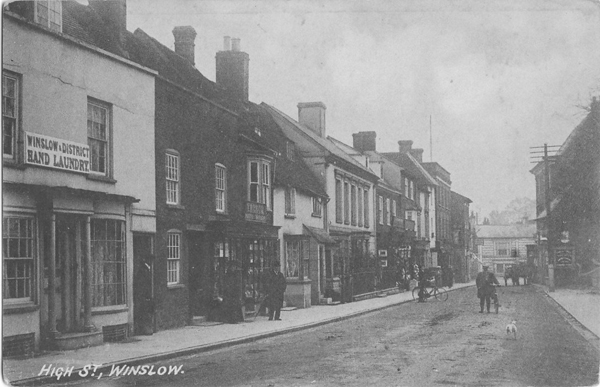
[{"x": 57, "y": 78}]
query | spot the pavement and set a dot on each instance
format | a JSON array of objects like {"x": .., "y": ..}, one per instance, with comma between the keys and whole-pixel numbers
[{"x": 209, "y": 336}]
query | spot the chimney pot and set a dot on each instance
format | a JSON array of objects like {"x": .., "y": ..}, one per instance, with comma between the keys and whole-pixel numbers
[
  {"x": 184, "y": 42},
  {"x": 226, "y": 43},
  {"x": 235, "y": 44}
]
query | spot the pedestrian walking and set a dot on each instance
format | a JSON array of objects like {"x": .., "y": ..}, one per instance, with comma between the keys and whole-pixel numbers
[
  {"x": 275, "y": 288},
  {"x": 232, "y": 294},
  {"x": 485, "y": 282}
]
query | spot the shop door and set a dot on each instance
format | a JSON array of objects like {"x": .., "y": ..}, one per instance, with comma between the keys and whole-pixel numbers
[
  {"x": 143, "y": 291},
  {"x": 199, "y": 288},
  {"x": 70, "y": 250}
]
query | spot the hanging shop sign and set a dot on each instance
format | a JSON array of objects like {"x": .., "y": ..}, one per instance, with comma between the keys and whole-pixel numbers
[
  {"x": 564, "y": 256},
  {"x": 55, "y": 153}
]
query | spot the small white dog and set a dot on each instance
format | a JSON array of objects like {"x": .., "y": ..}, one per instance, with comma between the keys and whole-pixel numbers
[{"x": 512, "y": 328}]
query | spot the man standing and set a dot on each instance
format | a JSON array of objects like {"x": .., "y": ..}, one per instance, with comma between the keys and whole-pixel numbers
[
  {"x": 232, "y": 293},
  {"x": 275, "y": 287},
  {"x": 485, "y": 288}
]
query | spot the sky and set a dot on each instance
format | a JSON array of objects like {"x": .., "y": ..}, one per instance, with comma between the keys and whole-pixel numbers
[{"x": 494, "y": 78}]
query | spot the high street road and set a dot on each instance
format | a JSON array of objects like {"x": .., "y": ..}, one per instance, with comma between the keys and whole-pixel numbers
[{"x": 435, "y": 343}]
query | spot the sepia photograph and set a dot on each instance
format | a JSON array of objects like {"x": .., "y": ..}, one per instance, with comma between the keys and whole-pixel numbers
[{"x": 300, "y": 193}]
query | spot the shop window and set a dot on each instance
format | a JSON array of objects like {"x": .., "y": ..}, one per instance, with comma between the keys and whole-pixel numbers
[
  {"x": 296, "y": 258},
  {"x": 220, "y": 188},
  {"x": 172, "y": 177},
  {"x": 259, "y": 182},
  {"x": 173, "y": 257},
  {"x": 49, "y": 14},
  {"x": 109, "y": 264},
  {"x": 290, "y": 201},
  {"x": 289, "y": 151},
  {"x": 317, "y": 207},
  {"x": 98, "y": 128},
  {"x": 10, "y": 115},
  {"x": 18, "y": 242}
]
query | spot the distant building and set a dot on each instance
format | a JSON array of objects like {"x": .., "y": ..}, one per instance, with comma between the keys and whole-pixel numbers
[
  {"x": 505, "y": 245},
  {"x": 462, "y": 246}
]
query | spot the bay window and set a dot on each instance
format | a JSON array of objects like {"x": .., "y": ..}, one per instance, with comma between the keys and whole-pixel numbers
[{"x": 259, "y": 182}]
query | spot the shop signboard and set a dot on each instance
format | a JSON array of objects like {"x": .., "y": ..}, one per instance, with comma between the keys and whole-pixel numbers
[{"x": 50, "y": 152}]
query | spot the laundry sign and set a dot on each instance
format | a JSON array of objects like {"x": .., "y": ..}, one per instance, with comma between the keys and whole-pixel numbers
[{"x": 55, "y": 153}]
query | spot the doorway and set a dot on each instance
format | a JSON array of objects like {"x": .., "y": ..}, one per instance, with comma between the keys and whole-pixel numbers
[
  {"x": 70, "y": 250},
  {"x": 199, "y": 290},
  {"x": 143, "y": 288}
]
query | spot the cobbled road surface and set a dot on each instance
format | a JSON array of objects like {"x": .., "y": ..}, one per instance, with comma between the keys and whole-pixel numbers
[{"x": 431, "y": 344}]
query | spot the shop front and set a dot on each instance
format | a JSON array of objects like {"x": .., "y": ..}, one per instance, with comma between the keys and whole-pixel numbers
[
  {"x": 254, "y": 248},
  {"x": 66, "y": 265}
]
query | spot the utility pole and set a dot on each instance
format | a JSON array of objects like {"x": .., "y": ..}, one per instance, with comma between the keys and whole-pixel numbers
[{"x": 548, "y": 203}]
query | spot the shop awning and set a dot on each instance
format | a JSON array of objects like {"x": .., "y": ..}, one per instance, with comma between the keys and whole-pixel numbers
[
  {"x": 69, "y": 191},
  {"x": 320, "y": 235}
]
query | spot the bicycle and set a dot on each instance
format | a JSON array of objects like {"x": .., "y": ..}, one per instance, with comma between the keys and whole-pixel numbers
[
  {"x": 430, "y": 291},
  {"x": 494, "y": 298}
]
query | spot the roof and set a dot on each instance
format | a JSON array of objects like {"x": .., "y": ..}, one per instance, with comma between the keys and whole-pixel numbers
[
  {"x": 319, "y": 234},
  {"x": 326, "y": 144},
  {"x": 294, "y": 173},
  {"x": 527, "y": 230},
  {"x": 461, "y": 197},
  {"x": 411, "y": 166}
]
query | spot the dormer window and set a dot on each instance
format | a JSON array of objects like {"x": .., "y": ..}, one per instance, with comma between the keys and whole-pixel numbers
[
  {"x": 367, "y": 161},
  {"x": 49, "y": 14}
]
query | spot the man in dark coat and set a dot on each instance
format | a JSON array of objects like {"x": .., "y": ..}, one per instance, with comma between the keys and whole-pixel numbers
[
  {"x": 275, "y": 287},
  {"x": 232, "y": 293},
  {"x": 485, "y": 288}
]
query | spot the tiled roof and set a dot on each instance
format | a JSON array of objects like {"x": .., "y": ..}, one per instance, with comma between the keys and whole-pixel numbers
[
  {"x": 294, "y": 173},
  {"x": 326, "y": 144},
  {"x": 527, "y": 230}
]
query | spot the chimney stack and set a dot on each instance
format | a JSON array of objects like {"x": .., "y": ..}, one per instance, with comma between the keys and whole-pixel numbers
[
  {"x": 312, "y": 114},
  {"x": 114, "y": 15},
  {"x": 233, "y": 69},
  {"x": 417, "y": 153},
  {"x": 405, "y": 146},
  {"x": 364, "y": 141},
  {"x": 184, "y": 42}
]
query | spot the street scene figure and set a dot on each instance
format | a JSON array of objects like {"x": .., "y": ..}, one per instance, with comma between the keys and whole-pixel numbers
[
  {"x": 232, "y": 293},
  {"x": 485, "y": 288},
  {"x": 275, "y": 286}
]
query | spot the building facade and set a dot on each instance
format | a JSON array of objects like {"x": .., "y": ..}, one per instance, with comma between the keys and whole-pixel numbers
[
  {"x": 78, "y": 198},
  {"x": 462, "y": 246},
  {"x": 505, "y": 245}
]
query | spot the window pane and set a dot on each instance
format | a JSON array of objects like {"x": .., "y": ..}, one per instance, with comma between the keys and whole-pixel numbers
[{"x": 109, "y": 278}]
